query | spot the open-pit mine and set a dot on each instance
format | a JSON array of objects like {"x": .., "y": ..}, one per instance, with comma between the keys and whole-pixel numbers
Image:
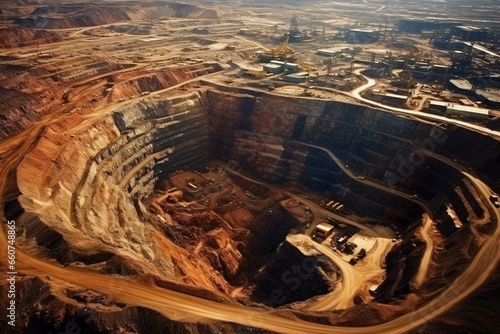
[{"x": 249, "y": 167}]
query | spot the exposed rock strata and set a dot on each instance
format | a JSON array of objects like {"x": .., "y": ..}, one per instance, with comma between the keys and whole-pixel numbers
[
  {"x": 60, "y": 188},
  {"x": 85, "y": 15},
  {"x": 85, "y": 311},
  {"x": 266, "y": 132},
  {"x": 290, "y": 276},
  {"x": 19, "y": 37}
]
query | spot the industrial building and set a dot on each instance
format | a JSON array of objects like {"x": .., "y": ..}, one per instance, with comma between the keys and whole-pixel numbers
[
  {"x": 297, "y": 77},
  {"x": 469, "y": 33},
  {"x": 484, "y": 89},
  {"x": 453, "y": 109},
  {"x": 438, "y": 106},
  {"x": 253, "y": 73},
  {"x": 489, "y": 96},
  {"x": 343, "y": 52},
  {"x": 324, "y": 230},
  {"x": 362, "y": 35},
  {"x": 328, "y": 52},
  {"x": 462, "y": 86},
  {"x": 416, "y": 26},
  {"x": 292, "y": 67},
  {"x": 273, "y": 68},
  {"x": 467, "y": 112}
]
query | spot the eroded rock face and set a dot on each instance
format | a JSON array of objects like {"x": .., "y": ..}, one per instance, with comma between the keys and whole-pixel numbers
[
  {"x": 78, "y": 188},
  {"x": 402, "y": 264},
  {"x": 69, "y": 174},
  {"x": 230, "y": 239},
  {"x": 288, "y": 140},
  {"x": 18, "y": 37},
  {"x": 22, "y": 107},
  {"x": 290, "y": 276},
  {"x": 44, "y": 308},
  {"x": 82, "y": 189},
  {"x": 70, "y": 16},
  {"x": 79, "y": 183}
]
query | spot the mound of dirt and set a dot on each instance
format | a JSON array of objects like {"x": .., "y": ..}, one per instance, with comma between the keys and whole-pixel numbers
[
  {"x": 23, "y": 106},
  {"x": 185, "y": 10},
  {"x": 132, "y": 30},
  {"x": 290, "y": 276},
  {"x": 18, "y": 37},
  {"x": 71, "y": 16}
]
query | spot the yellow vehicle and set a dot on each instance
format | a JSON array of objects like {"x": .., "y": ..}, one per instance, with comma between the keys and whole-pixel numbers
[{"x": 281, "y": 52}]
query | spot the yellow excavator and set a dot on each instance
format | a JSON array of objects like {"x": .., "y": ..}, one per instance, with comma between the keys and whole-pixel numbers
[{"x": 281, "y": 52}]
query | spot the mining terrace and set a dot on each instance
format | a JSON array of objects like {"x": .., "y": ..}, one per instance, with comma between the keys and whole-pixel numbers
[{"x": 160, "y": 181}]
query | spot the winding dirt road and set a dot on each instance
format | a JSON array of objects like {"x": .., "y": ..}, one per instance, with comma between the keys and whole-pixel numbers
[
  {"x": 356, "y": 94},
  {"x": 370, "y": 183},
  {"x": 178, "y": 306},
  {"x": 184, "y": 307},
  {"x": 419, "y": 278}
]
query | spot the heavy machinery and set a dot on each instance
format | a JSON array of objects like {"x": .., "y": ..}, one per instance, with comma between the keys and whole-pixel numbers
[
  {"x": 294, "y": 34},
  {"x": 308, "y": 67},
  {"x": 464, "y": 63},
  {"x": 281, "y": 52},
  {"x": 406, "y": 76}
]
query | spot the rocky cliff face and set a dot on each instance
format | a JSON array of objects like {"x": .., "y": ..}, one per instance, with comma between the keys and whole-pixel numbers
[
  {"x": 402, "y": 264},
  {"x": 274, "y": 137},
  {"x": 31, "y": 92},
  {"x": 15, "y": 37},
  {"x": 85, "y": 15},
  {"x": 47, "y": 309},
  {"x": 284, "y": 140},
  {"x": 78, "y": 182},
  {"x": 21, "y": 107},
  {"x": 75, "y": 167},
  {"x": 290, "y": 276},
  {"x": 80, "y": 192}
]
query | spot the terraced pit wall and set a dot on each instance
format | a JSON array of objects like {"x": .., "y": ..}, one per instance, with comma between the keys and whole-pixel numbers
[
  {"x": 273, "y": 137},
  {"x": 78, "y": 191},
  {"x": 85, "y": 180}
]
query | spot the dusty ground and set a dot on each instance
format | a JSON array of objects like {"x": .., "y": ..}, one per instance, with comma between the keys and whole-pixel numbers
[
  {"x": 61, "y": 76},
  {"x": 220, "y": 196}
]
